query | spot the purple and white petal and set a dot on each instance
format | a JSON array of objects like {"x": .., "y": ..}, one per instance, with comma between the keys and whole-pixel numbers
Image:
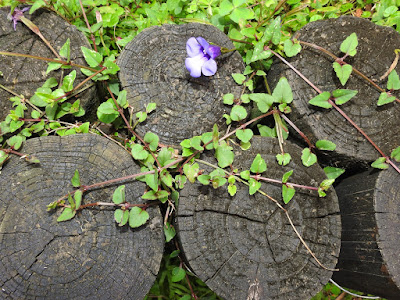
[
  {"x": 204, "y": 44},
  {"x": 193, "y": 48},
  {"x": 213, "y": 51},
  {"x": 209, "y": 68},
  {"x": 195, "y": 64}
]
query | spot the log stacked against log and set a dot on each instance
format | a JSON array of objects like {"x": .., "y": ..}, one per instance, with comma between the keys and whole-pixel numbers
[
  {"x": 88, "y": 257},
  {"x": 24, "y": 75},
  {"x": 367, "y": 259},
  {"x": 153, "y": 70},
  {"x": 243, "y": 247}
]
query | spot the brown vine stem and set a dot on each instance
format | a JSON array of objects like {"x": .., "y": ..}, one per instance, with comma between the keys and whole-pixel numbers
[
  {"x": 306, "y": 139},
  {"x": 121, "y": 113},
  {"x": 88, "y": 26},
  {"x": 341, "y": 112},
  {"x": 282, "y": 208},
  {"x": 359, "y": 73},
  {"x": 257, "y": 177},
  {"x": 62, "y": 62}
]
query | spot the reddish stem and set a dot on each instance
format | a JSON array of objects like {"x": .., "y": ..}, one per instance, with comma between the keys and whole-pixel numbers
[
  {"x": 88, "y": 26},
  {"x": 257, "y": 177}
]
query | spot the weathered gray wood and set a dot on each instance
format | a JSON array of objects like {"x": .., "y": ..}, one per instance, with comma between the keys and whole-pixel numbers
[
  {"x": 25, "y": 75},
  {"x": 375, "y": 54},
  {"x": 89, "y": 257},
  {"x": 243, "y": 247},
  {"x": 369, "y": 258},
  {"x": 153, "y": 70}
]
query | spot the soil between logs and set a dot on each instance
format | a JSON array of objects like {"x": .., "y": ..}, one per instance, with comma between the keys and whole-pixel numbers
[
  {"x": 244, "y": 246},
  {"x": 153, "y": 70},
  {"x": 88, "y": 257}
]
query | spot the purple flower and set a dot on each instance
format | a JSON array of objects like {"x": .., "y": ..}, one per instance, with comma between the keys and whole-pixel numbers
[
  {"x": 16, "y": 16},
  {"x": 201, "y": 57}
]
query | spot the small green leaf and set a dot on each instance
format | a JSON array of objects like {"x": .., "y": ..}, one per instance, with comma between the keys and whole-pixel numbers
[
  {"x": 191, "y": 171},
  {"x": 228, "y": 99},
  {"x": 75, "y": 180},
  {"x": 321, "y": 100},
  {"x": 283, "y": 92},
  {"x": 264, "y": 101},
  {"x": 52, "y": 66},
  {"x": 287, "y": 193},
  {"x": 141, "y": 116},
  {"x": 232, "y": 189},
  {"x": 224, "y": 154},
  {"x": 343, "y": 95},
  {"x": 78, "y": 198},
  {"x": 333, "y": 173},
  {"x": 393, "y": 81},
  {"x": 67, "y": 214},
  {"x": 239, "y": 78},
  {"x": 68, "y": 81},
  {"x": 137, "y": 217},
  {"x": 65, "y": 50},
  {"x": 283, "y": 159},
  {"x": 169, "y": 232},
  {"x": 254, "y": 186},
  {"x": 15, "y": 141},
  {"x": 3, "y": 157},
  {"x": 151, "y": 107},
  {"x": 273, "y": 31},
  {"x": 342, "y": 72},
  {"x": 238, "y": 113},
  {"x": 218, "y": 181},
  {"x": 266, "y": 131},
  {"x": 308, "y": 158},
  {"x": 286, "y": 176},
  {"x": 107, "y": 112},
  {"x": 152, "y": 181},
  {"x": 395, "y": 154},
  {"x": 385, "y": 98},
  {"x": 195, "y": 143},
  {"x": 325, "y": 145},
  {"x": 204, "y": 179},
  {"x": 245, "y": 174},
  {"x": 152, "y": 139},
  {"x": 121, "y": 100},
  {"x": 244, "y": 135},
  {"x": 119, "y": 195},
  {"x": 138, "y": 152},
  {"x": 92, "y": 58},
  {"x": 291, "y": 49},
  {"x": 258, "y": 165},
  {"x": 380, "y": 163},
  {"x": 350, "y": 44},
  {"x": 178, "y": 274},
  {"x": 121, "y": 216}
]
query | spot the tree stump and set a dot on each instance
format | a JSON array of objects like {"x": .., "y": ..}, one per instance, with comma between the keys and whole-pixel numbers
[
  {"x": 153, "y": 70},
  {"x": 369, "y": 257},
  {"x": 243, "y": 247},
  {"x": 88, "y": 257},
  {"x": 375, "y": 54},
  {"x": 24, "y": 75}
]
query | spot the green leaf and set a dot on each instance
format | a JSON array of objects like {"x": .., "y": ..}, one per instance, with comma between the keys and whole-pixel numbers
[
  {"x": 266, "y": 131},
  {"x": 287, "y": 193},
  {"x": 112, "y": 67},
  {"x": 343, "y": 95},
  {"x": 3, "y": 157},
  {"x": 283, "y": 159},
  {"x": 191, "y": 171},
  {"x": 137, "y": 217},
  {"x": 166, "y": 178},
  {"x": 121, "y": 216},
  {"x": 75, "y": 180},
  {"x": 385, "y": 98},
  {"x": 65, "y": 50},
  {"x": 395, "y": 154},
  {"x": 380, "y": 163},
  {"x": 308, "y": 158},
  {"x": 121, "y": 100},
  {"x": 245, "y": 174},
  {"x": 52, "y": 66},
  {"x": 15, "y": 141},
  {"x": 107, "y": 112},
  {"x": 36, "y": 5},
  {"x": 228, "y": 99},
  {"x": 333, "y": 173},
  {"x": 169, "y": 232},
  {"x": 151, "y": 107},
  {"x": 180, "y": 181},
  {"x": 224, "y": 154},
  {"x": 291, "y": 49},
  {"x": 152, "y": 181},
  {"x": 254, "y": 186},
  {"x": 195, "y": 143},
  {"x": 178, "y": 274},
  {"x": 342, "y": 72},
  {"x": 67, "y": 214},
  {"x": 393, "y": 81},
  {"x": 273, "y": 32},
  {"x": 325, "y": 145},
  {"x": 259, "y": 53},
  {"x": 152, "y": 139},
  {"x": 239, "y": 78},
  {"x": 164, "y": 156},
  {"x": 286, "y": 176},
  {"x": 349, "y": 45},
  {"x": 92, "y": 58},
  {"x": 119, "y": 195},
  {"x": 204, "y": 179},
  {"x": 321, "y": 100},
  {"x": 138, "y": 152},
  {"x": 68, "y": 81},
  {"x": 244, "y": 135},
  {"x": 258, "y": 165},
  {"x": 238, "y": 113},
  {"x": 324, "y": 186},
  {"x": 225, "y": 7},
  {"x": 78, "y": 198},
  {"x": 283, "y": 92},
  {"x": 218, "y": 181},
  {"x": 264, "y": 101}
]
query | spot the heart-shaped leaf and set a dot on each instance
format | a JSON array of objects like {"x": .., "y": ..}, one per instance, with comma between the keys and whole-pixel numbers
[
  {"x": 321, "y": 100},
  {"x": 137, "y": 217},
  {"x": 291, "y": 49},
  {"x": 244, "y": 135},
  {"x": 342, "y": 72}
]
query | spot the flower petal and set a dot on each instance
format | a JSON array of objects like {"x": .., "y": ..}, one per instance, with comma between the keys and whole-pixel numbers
[
  {"x": 213, "y": 51},
  {"x": 203, "y": 42},
  {"x": 193, "y": 48},
  {"x": 195, "y": 64},
  {"x": 209, "y": 68}
]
